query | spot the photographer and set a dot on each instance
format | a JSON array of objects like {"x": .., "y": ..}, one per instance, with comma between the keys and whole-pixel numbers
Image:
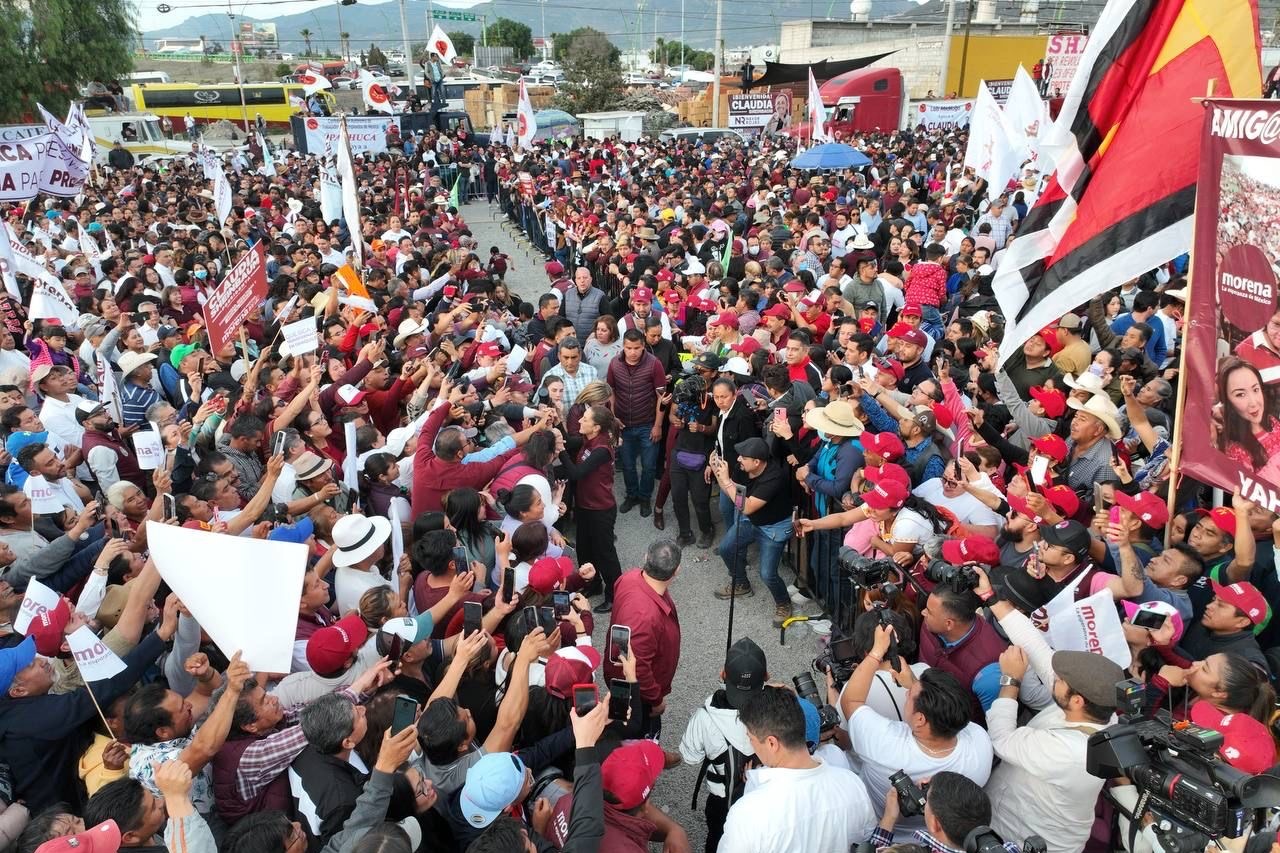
[
  {"x": 954, "y": 807},
  {"x": 933, "y": 734},
  {"x": 1041, "y": 786},
  {"x": 885, "y": 695}
]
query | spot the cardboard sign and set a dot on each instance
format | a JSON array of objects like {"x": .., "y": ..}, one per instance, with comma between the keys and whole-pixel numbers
[
  {"x": 93, "y": 657},
  {"x": 301, "y": 337},
  {"x": 39, "y": 599},
  {"x": 229, "y": 305},
  {"x": 150, "y": 448},
  {"x": 244, "y": 592}
]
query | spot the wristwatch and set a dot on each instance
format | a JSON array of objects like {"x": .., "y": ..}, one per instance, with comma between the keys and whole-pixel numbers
[{"x": 1010, "y": 681}]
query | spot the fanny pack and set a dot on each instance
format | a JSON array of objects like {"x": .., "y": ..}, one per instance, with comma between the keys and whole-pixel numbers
[{"x": 691, "y": 461}]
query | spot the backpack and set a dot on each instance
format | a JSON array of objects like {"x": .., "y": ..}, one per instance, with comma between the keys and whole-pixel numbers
[{"x": 728, "y": 765}]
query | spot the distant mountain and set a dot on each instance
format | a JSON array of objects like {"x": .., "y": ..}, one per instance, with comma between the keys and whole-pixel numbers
[{"x": 745, "y": 22}]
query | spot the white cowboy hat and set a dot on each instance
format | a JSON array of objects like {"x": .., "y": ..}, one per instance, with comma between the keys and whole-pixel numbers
[
  {"x": 131, "y": 361},
  {"x": 1086, "y": 381},
  {"x": 862, "y": 242},
  {"x": 355, "y": 537},
  {"x": 1101, "y": 407},
  {"x": 406, "y": 329},
  {"x": 737, "y": 365},
  {"x": 295, "y": 205},
  {"x": 835, "y": 418}
]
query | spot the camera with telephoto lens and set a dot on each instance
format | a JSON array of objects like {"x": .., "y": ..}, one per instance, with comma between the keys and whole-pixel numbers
[
  {"x": 959, "y": 578},
  {"x": 1181, "y": 780},
  {"x": 910, "y": 795},
  {"x": 865, "y": 572},
  {"x": 807, "y": 688},
  {"x": 839, "y": 659}
]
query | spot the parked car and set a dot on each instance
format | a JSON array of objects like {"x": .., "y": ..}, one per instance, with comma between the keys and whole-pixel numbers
[{"x": 343, "y": 82}]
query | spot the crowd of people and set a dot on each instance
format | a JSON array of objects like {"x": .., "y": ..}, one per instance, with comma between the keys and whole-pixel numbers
[{"x": 792, "y": 374}]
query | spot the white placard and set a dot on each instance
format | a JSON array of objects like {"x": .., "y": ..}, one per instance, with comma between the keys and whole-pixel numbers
[
  {"x": 93, "y": 657},
  {"x": 515, "y": 359},
  {"x": 1091, "y": 625},
  {"x": 150, "y": 448},
  {"x": 301, "y": 337},
  {"x": 45, "y": 499},
  {"x": 397, "y": 535},
  {"x": 350, "y": 473},
  {"x": 244, "y": 592},
  {"x": 39, "y": 599}
]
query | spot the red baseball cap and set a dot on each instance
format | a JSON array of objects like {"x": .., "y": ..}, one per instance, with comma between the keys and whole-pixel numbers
[
  {"x": 103, "y": 838},
  {"x": 670, "y": 296},
  {"x": 553, "y": 268},
  {"x": 888, "y": 494},
  {"x": 642, "y": 294},
  {"x": 631, "y": 771},
  {"x": 1146, "y": 506},
  {"x": 782, "y": 312},
  {"x": 1053, "y": 400},
  {"x": 490, "y": 349},
  {"x": 891, "y": 365},
  {"x": 724, "y": 318},
  {"x": 665, "y": 275},
  {"x": 971, "y": 549},
  {"x": 746, "y": 346},
  {"x": 46, "y": 629},
  {"x": 1063, "y": 498},
  {"x": 911, "y": 311},
  {"x": 942, "y": 415},
  {"x": 1050, "y": 337},
  {"x": 885, "y": 444},
  {"x": 1246, "y": 598},
  {"x": 1225, "y": 518},
  {"x": 912, "y": 336},
  {"x": 330, "y": 648},
  {"x": 793, "y": 286},
  {"x": 547, "y": 573},
  {"x": 1019, "y": 504},
  {"x": 887, "y": 472},
  {"x": 1051, "y": 445},
  {"x": 1246, "y": 743},
  {"x": 569, "y": 666}
]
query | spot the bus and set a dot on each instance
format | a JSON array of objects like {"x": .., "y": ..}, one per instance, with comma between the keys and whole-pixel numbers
[{"x": 215, "y": 102}]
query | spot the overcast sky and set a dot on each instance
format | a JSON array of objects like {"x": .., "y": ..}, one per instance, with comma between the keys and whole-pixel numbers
[{"x": 149, "y": 19}]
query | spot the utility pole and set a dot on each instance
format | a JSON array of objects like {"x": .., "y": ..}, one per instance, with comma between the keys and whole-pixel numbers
[
  {"x": 635, "y": 41},
  {"x": 408, "y": 50},
  {"x": 715, "y": 84},
  {"x": 946, "y": 48},
  {"x": 342, "y": 47},
  {"x": 964, "y": 55},
  {"x": 545, "y": 54},
  {"x": 682, "y": 40},
  {"x": 236, "y": 47}
]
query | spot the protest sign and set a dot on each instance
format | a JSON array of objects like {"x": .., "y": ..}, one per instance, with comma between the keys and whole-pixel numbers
[
  {"x": 49, "y": 299},
  {"x": 38, "y": 599},
  {"x": 45, "y": 498},
  {"x": 244, "y": 592},
  {"x": 93, "y": 657},
  {"x": 1230, "y": 429},
  {"x": 64, "y": 173},
  {"x": 150, "y": 448},
  {"x": 1090, "y": 625},
  {"x": 301, "y": 337},
  {"x": 368, "y": 134},
  {"x": 1062, "y": 55},
  {"x": 22, "y": 164},
  {"x": 243, "y": 288}
]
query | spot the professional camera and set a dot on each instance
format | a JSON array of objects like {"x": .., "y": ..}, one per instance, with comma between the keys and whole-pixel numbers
[
  {"x": 865, "y": 572},
  {"x": 807, "y": 688},
  {"x": 910, "y": 795},
  {"x": 690, "y": 390},
  {"x": 984, "y": 839},
  {"x": 1179, "y": 776},
  {"x": 959, "y": 578},
  {"x": 838, "y": 659}
]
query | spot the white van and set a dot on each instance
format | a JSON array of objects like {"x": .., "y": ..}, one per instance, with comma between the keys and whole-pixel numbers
[{"x": 148, "y": 77}]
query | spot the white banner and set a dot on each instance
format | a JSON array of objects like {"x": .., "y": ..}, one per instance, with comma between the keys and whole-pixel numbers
[
  {"x": 45, "y": 499},
  {"x": 49, "y": 299},
  {"x": 64, "y": 173},
  {"x": 38, "y": 599},
  {"x": 368, "y": 134},
  {"x": 330, "y": 193},
  {"x": 1091, "y": 625},
  {"x": 302, "y": 337},
  {"x": 244, "y": 592},
  {"x": 940, "y": 115},
  {"x": 350, "y": 196},
  {"x": 221, "y": 196},
  {"x": 91, "y": 251},
  {"x": 22, "y": 165},
  {"x": 94, "y": 658},
  {"x": 8, "y": 264},
  {"x": 397, "y": 534},
  {"x": 150, "y": 448}
]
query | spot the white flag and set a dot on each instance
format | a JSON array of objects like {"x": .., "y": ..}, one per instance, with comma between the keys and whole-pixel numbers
[
  {"x": 8, "y": 265},
  {"x": 313, "y": 80},
  {"x": 375, "y": 94},
  {"x": 72, "y": 137},
  {"x": 397, "y": 534},
  {"x": 49, "y": 299},
  {"x": 817, "y": 113},
  {"x": 89, "y": 248},
  {"x": 350, "y": 473},
  {"x": 443, "y": 45},
  {"x": 108, "y": 390},
  {"x": 221, "y": 196},
  {"x": 94, "y": 658},
  {"x": 268, "y": 169},
  {"x": 511, "y": 136},
  {"x": 350, "y": 199},
  {"x": 330, "y": 192},
  {"x": 1026, "y": 113},
  {"x": 526, "y": 121},
  {"x": 38, "y": 599},
  {"x": 45, "y": 499},
  {"x": 1090, "y": 625},
  {"x": 992, "y": 152},
  {"x": 77, "y": 121}
]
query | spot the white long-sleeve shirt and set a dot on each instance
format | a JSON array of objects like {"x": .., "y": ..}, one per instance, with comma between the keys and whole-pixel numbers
[{"x": 821, "y": 810}]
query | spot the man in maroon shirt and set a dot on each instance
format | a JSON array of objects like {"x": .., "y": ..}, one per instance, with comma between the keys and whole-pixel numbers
[
  {"x": 641, "y": 601},
  {"x": 639, "y": 388}
]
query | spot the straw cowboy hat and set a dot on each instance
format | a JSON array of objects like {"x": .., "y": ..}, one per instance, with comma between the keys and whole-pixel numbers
[
  {"x": 1101, "y": 407},
  {"x": 1090, "y": 382},
  {"x": 835, "y": 418}
]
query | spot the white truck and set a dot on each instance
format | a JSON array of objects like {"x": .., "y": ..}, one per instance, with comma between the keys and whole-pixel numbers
[{"x": 139, "y": 133}]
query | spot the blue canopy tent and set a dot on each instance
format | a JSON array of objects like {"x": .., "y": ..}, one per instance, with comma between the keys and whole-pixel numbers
[{"x": 831, "y": 155}]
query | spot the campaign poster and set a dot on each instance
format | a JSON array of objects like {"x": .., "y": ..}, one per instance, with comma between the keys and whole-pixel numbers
[
  {"x": 368, "y": 134},
  {"x": 232, "y": 301},
  {"x": 1062, "y": 54},
  {"x": 941, "y": 115},
  {"x": 1231, "y": 426},
  {"x": 760, "y": 112}
]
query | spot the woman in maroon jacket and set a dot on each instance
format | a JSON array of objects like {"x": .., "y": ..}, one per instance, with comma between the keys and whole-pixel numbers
[{"x": 597, "y": 509}]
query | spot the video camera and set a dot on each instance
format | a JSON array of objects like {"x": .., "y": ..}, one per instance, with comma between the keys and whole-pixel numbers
[{"x": 1180, "y": 777}]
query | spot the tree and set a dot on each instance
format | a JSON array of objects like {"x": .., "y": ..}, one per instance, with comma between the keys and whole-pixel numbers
[
  {"x": 560, "y": 43},
  {"x": 513, "y": 34},
  {"x": 463, "y": 43},
  {"x": 674, "y": 53},
  {"x": 52, "y": 47},
  {"x": 377, "y": 57},
  {"x": 592, "y": 73},
  {"x": 306, "y": 38},
  {"x": 342, "y": 45}
]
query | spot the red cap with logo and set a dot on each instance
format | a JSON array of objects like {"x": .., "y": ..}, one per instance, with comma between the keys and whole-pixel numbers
[
  {"x": 547, "y": 573},
  {"x": 1225, "y": 518},
  {"x": 330, "y": 648},
  {"x": 911, "y": 311},
  {"x": 888, "y": 494},
  {"x": 887, "y": 472},
  {"x": 1246, "y": 743},
  {"x": 971, "y": 549},
  {"x": 885, "y": 444},
  {"x": 1246, "y": 598},
  {"x": 1150, "y": 509},
  {"x": 1051, "y": 445},
  {"x": 489, "y": 349},
  {"x": 1063, "y": 498},
  {"x": 570, "y": 666},
  {"x": 642, "y": 294},
  {"x": 780, "y": 311},
  {"x": 746, "y": 346},
  {"x": 1019, "y": 504},
  {"x": 631, "y": 771},
  {"x": 46, "y": 629},
  {"x": 1053, "y": 400},
  {"x": 103, "y": 838}
]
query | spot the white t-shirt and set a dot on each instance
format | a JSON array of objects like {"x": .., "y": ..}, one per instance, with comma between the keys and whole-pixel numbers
[
  {"x": 887, "y": 746},
  {"x": 967, "y": 508},
  {"x": 909, "y": 526}
]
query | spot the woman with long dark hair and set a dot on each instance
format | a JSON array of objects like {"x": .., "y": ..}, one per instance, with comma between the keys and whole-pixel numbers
[
  {"x": 592, "y": 471},
  {"x": 465, "y": 509},
  {"x": 1250, "y": 431}
]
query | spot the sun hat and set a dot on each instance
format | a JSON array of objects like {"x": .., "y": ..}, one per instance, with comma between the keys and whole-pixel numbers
[{"x": 355, "y": 537}]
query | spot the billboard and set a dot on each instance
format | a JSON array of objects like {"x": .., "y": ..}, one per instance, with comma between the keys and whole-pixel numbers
[
  {"x": 760, "y": 112},
  {"x": 257, "y": 34},
  {"x": 1061, "y": 58},
  {"x": 1231, "y": 427}
]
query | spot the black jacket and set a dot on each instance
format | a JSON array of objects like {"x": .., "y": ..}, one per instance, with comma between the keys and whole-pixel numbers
[
  {"x": 739, "y": 425},
  {"x": 325, "y": 789}
]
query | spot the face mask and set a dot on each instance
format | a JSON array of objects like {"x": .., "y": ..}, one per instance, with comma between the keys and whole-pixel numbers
[
  {"x": 202, "y": 274},
  {"x": 1097, "y": 369},
  {"x": 753, "y": 250}
]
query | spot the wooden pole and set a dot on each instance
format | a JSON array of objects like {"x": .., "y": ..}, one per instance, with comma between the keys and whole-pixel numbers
[
  {"x": 94, "y": 699},
  {"x": 244, "y": 349}
]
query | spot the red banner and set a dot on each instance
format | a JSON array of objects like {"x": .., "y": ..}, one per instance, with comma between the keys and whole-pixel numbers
[
  {"x": 1231, "y": 425},
  {"x": 229, "y": 305}
]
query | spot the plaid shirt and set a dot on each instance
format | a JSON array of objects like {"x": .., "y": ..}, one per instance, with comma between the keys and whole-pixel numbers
[
  {"x": 268, "y": 757},
  {"x": 882, "y": 838}
]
